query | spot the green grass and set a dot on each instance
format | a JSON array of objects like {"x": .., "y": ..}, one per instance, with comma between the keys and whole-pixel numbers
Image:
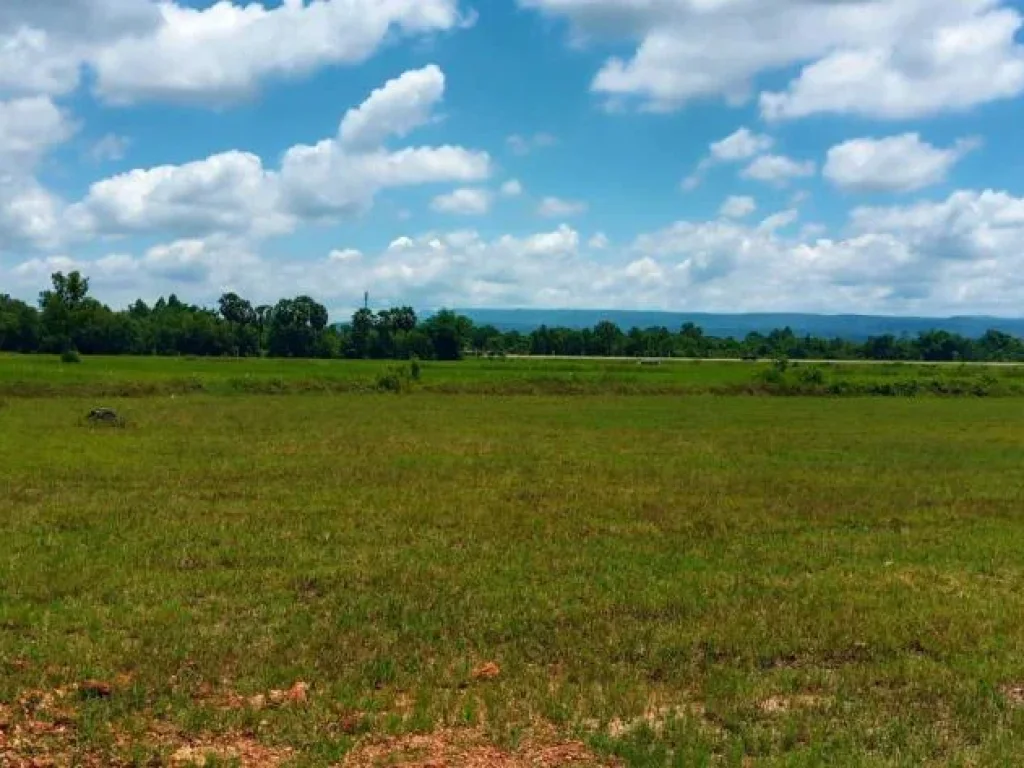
[
  {"x": 45, "y": 376},
  {"x": 801, "y": 581}
]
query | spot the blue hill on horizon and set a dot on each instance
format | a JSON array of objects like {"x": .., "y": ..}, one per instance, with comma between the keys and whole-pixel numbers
[{"x": 850, "y": 327}]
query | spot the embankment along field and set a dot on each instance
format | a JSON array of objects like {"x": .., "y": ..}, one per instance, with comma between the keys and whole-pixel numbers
[{"x": 517, "y": 563}]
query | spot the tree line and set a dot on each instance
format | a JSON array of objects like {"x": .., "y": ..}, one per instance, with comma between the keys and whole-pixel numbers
[{"x": 67, "y": 320}]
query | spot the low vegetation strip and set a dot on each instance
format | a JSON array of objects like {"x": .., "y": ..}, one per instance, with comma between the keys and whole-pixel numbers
[{"x": 113, "y": 377}]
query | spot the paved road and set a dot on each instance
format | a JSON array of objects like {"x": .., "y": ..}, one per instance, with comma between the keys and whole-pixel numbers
[{"x": 750, "y": 362}]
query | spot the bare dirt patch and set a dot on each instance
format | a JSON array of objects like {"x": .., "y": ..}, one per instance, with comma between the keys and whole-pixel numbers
[
  {"x": 453, "y": 748},
  {"x": 1014, "y": 694},
  {"x": 775, "y": 705},
  {"x": 242, "y": 750},
  {"x": 41, "y": 730}
]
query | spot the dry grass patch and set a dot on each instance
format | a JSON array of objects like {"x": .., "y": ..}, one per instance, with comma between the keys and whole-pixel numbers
[{"x": 467, "y": 748}]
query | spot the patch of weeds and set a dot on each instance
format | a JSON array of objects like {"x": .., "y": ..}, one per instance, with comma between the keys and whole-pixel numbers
[{"x": 398, "y": 379}]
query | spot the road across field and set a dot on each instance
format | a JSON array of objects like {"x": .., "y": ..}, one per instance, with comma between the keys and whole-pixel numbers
[{"x": 764, "y": 360}]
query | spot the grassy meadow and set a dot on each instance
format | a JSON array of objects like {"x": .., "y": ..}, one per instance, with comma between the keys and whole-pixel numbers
[
  {"x": 46, "y": 376},
  {"x": 464, "y": 574}
]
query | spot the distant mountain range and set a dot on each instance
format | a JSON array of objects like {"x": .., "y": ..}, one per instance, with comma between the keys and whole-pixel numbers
[{"x": 852, "y": 327}]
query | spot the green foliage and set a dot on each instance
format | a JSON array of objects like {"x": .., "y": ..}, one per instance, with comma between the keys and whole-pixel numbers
[
  {"x": 70, "y": 356},
  {"x": 399, "y": 378},
  {"x": 300, "y": 328},
  {"x": 812, "y": 376},
  {"x": 297, "y": 328}
]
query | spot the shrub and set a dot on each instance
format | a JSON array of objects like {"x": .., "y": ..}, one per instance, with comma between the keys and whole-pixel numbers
[
  {"x": 70, "y": 356},
  {"x": 399, "y": 378},
  {"x": 773, "y": 376},
  {"x": 813, "y": 376}
]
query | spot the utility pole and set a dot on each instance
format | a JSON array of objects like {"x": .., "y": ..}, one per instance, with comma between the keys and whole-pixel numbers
[{"x": 366, "y": 300}]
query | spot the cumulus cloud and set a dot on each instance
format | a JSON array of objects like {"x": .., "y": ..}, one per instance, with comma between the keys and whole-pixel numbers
[
  {"x": 887, "y": 58},
  {"x": 960, "y": 255},
  {"x": 737, "y": 207},
  {"x": 229, "y": 192},
  {"x": 778, "y": 169},
  {"x": 30, "y": 216},
  {"x": 142, "y": 49},
  {"x": 233, "y": 192},
  {"x": 779, "y": 220},
  {"x": 326, "y": 181},
  {"x": 463, "y": 202},
  {"x": 223, "y": 52},
  {"x": 30, "y": 127},
  {"x": 903, "y": 163},
  {"x": 555, "y": 207},
  {"x": 742, "y": 144},
  {"x": 395, "y": 109}
]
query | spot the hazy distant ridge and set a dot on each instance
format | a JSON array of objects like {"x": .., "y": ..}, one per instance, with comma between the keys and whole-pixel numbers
[{"x": 853, "y": 327}]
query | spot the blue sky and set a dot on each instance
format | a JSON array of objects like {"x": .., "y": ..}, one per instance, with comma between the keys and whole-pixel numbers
[{"x": 706, "y": 155}]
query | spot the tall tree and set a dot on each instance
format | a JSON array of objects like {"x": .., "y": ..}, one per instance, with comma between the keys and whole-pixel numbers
[{"x": 61, "y": 308}]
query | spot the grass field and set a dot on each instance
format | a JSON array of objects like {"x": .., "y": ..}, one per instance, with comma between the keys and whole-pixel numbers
[
  {"x": 45, "y": 376},
  {"x": 657, "y": 580}
]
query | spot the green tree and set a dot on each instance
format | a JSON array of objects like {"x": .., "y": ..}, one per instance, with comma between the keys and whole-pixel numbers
[
  {"x": 449, "y": 334},
  {"x": 19, "y": 326},
  {"x": 61, "y": 309},
  {"x": 241, "y": 317},
  {"x": 296, "y": 328}
]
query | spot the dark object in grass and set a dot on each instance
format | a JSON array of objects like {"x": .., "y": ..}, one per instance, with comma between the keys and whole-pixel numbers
[
  {"x": 105, "y": 416},
  {"x": 70, "y": 356},
  {"x": 96, "y": 689}
]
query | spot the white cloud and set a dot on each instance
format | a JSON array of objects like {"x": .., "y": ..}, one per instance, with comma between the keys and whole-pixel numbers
[
  {"x": 778, "y": 169},
  {"x": 143, "y": 49},
  {"x": 30, "y": 127},
  {"x": 779, "y": 220},
  {"x": 233, "y": 193},
  {"x": 44, "y": 44},
  {"x": 324, "y": 180},
  {"x": 223, "y": 52},
  {"x": 554, "y": 207},
  {"x": 463, "y": 202},
  {"x": 110, "y": 148},
  {"x": 738, "y": 207},
  {"x": 524, "y": 145},
  {"x": 901, "y": 163},
  {"x": 512, "y": 188},
  {"x": 599, "y": 242},
  {"x": 395, "y": 109},
  {"x": 38, "y": 271},
  {"x": 886, "y": 58},
  {"x": 346, "y": 255},
  {"x": 962, "y": 255},
  {"x": 741, "y": 145},
  {"x": 229, "y": 192},
  {"x": 969, "y": 57},
  {"x": 30, "y": 216},
  {"x": 967, "y": 225}
]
